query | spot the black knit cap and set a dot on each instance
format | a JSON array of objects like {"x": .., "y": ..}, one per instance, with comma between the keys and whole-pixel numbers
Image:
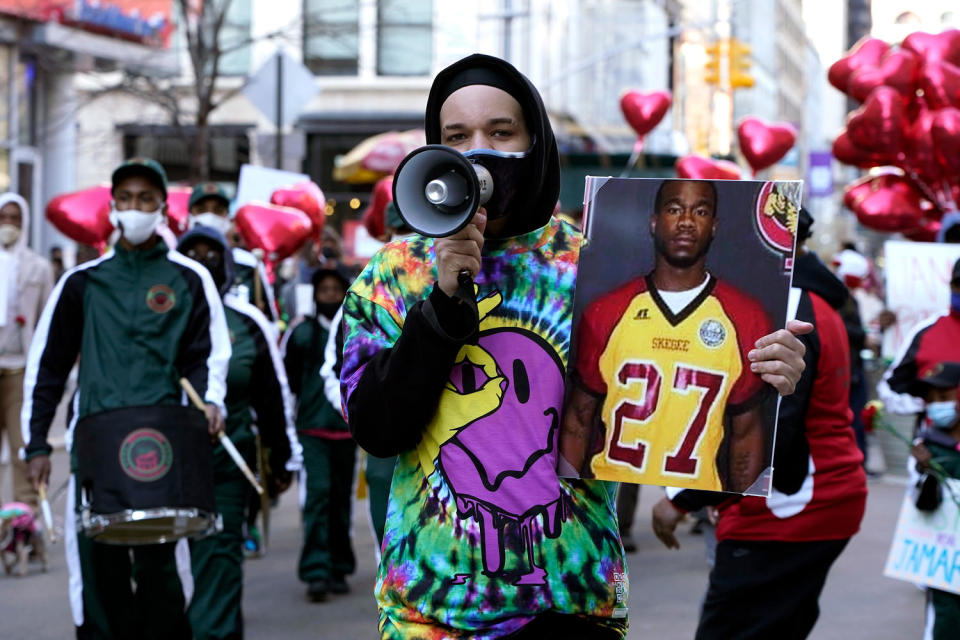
[{"x": 488, "y": 70}]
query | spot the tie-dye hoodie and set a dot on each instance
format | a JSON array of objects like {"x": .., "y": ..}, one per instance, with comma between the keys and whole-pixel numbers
[{"x": 481, "y": 535}]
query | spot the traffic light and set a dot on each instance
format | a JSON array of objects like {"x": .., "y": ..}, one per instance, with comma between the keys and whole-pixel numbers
[
  {"x": 740, "y": 77},
  {"x": 711, "y": 74}
]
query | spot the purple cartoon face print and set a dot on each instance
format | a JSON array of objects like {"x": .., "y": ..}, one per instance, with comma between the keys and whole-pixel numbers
[{"x": 502, "y": 466}]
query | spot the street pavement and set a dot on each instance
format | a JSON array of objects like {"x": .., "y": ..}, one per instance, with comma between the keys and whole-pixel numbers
[{"x": 666, "y": 586}]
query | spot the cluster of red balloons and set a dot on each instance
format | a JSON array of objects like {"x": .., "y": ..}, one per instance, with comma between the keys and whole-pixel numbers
[
  {"x": 280, "y": 227},
  {"x": 909, "y": 119}
]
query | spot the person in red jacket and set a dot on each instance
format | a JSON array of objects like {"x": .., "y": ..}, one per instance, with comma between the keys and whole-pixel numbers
[{"x": 774, "y": 553}]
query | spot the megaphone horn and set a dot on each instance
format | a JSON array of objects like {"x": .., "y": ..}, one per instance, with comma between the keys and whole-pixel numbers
[{"x": 437, "y": 190}]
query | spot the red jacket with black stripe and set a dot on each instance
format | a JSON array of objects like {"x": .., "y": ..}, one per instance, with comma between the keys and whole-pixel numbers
[{"x": 820, "y": 487}]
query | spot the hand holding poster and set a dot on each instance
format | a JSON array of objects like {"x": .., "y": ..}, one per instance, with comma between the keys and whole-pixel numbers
[{"x": 665, "y": 319}]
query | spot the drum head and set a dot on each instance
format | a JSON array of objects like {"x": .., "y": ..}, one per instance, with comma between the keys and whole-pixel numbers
[{"x": 151, "y": 526}]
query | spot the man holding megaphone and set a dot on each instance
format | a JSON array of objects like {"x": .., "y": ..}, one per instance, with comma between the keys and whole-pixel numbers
[{"x": 465, "y": 381}]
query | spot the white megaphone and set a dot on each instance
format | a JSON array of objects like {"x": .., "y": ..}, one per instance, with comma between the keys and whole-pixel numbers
[{"x": 437, "y": 190}]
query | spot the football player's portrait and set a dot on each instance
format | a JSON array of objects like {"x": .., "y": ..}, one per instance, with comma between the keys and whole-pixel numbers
[{"x": 677, "y": 281}]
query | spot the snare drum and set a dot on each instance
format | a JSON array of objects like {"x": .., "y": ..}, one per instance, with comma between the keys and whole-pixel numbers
[{"x": 145, "y": 475}]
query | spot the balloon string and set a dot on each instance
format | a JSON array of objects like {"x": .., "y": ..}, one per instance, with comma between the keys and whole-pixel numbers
[
  {"x": 949, "y": 197},
  {"x": 634, "y": 156},
  {"x": 929, "y": 193}
]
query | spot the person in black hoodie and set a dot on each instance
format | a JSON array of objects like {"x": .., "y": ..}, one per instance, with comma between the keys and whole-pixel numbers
[
  {"x": 773, "y": 554},
  {"x": 256, "y": 389},
  {"x": 482, "y": 539}
]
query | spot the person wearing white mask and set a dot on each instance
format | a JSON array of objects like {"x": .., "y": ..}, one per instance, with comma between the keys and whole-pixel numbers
[
  {"x": 26, "y": 280},
  {"x": 938, "y": 440},
  {"x": 140, "y": 318},
  {"x": 209, "y": 206}
]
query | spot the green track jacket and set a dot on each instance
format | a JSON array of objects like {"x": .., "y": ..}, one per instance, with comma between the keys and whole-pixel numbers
[{"x": 139, "y": 320}]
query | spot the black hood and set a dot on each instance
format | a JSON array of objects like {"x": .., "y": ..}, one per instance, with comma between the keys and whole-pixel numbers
[
  {"x": 545, "y": 186},
  {"x": 212, "y": 236},
  {"x": 812, "y": 275}
]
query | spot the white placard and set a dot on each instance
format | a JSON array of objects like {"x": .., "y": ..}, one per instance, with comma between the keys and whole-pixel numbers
[
  {"x": 918, "y": 286},
  {"x": 259, "y": 183},
  {"x": 926, "y": 544}
]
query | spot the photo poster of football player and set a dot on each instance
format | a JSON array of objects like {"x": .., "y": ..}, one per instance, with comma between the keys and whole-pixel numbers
[{"x": 676, "y": 282}]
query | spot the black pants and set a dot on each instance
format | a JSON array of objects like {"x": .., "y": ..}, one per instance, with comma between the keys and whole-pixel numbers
[
  {"x": 627, "y": 497},
  {"x": 762, "y": 590},
  {"x": 558, "y": 626}
]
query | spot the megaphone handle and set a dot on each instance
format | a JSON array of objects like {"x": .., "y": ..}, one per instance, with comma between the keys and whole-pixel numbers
[
  {"x": 465, "y": 289},
  {"x": 465, "y": 293}
]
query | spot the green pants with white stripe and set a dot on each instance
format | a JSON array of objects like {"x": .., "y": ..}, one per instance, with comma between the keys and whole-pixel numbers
[
  {"x": 328, "y": 477},
  {"x": 130, "y": 592},
  {"x": 943, "y": 615},
  {"x": 215, "y": 609}
]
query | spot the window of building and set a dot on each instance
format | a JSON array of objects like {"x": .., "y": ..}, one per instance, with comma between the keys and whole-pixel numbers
[
  {"x": 235, "y": 39},
  {"x": 26, "y": 79},
  {"x": 4, "y": 94},
  {"x": 229, "y": 149},
  {"x": 404, "y": 37},
  {"x": 330, "y": 36}
]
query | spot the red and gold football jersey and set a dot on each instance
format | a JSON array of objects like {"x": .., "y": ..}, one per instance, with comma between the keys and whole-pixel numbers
[{"x": 668, "y": 380}]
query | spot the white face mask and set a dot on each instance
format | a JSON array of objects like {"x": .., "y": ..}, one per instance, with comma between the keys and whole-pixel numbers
[
  {"x": 9, "y": 234},
  {"x": 212, "y": 220},
  {"x": 136, "y": 226}
]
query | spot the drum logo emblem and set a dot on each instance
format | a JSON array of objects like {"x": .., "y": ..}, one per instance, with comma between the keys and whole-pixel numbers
[
  {"x": 146, "y": 455},
  {"x": 161, "y": 298}
]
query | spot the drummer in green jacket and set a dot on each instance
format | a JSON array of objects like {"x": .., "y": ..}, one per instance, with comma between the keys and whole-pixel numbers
[
  {"x": 329, "y": 451},
  {"x": 256, "y": 384},
  {"x": 140, "y": 317}
]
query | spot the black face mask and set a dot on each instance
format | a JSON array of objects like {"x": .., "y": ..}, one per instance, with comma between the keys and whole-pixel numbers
[
  {"x": 327, "y": 309},
  {"x": 216, "y": 265},
  {"x": 511, "y": 173}
]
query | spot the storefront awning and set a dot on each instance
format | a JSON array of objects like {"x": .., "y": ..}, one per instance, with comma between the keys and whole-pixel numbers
[{"x": 104, "y": 49}]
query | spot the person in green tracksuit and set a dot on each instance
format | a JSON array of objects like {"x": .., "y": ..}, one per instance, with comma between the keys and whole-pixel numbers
[
  {"x": 939, "y": 440},
  {"x": 140, "y": 317},
  {"x": 256, "y": 382},
  {"x": 329, "y": 452}
]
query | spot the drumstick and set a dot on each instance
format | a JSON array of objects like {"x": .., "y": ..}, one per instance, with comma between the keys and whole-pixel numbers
[
  {"x": 224, "y": 438},
  {"x": 257, "y": 284},
  {"x": 47, "y": 515}
]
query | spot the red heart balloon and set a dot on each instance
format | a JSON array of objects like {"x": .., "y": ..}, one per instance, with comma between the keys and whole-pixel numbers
[
  {"x": 867, "y": 52},
  {"x": 374, "y": 216},
  {"x": 940, "y": 82},
  {"x": 644, "y": 111},
  {"x": 764, "y": 144},
  {"x": 898, "y": 69},
  {"x": 878, "y": 125},
  {"x": 308, "y": 198},
  {"x": 279, "y": 231},
  {"x": 83, "y": 216},
  {"x": 945, "y": 134},
  {"x": 887, "y": 202},
  {"x": 848, "y": 153},
  {"x": 699, "y": 168},
  {"x": 920, "y": 152},
  {"x": 926, "y": 233},
  {"x": 935, "y": 47},
  {"x": 178, "y": 209}
]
